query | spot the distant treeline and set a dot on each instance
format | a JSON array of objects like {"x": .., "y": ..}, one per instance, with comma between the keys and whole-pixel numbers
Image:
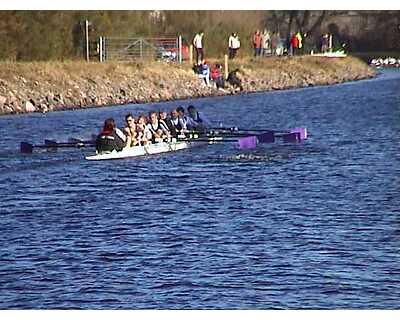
[{"x": 58, "y": 35}]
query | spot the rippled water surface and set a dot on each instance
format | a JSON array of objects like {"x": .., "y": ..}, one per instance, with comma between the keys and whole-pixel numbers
[{"x": 312, "y": 225}]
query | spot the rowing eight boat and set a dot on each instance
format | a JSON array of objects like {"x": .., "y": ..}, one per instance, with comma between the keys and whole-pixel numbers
[
  {"x": 150, "y": 149},
  {"x": 245, "y": 139}
]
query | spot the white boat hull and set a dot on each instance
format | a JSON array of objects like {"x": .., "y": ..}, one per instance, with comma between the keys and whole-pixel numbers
[{"x": 150, "y": 149}]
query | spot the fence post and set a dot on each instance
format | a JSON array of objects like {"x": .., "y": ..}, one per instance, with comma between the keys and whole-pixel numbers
[
  {"x": 104, "y": 49},
  {"x": 191, "y": 54},
  {"x": 180, "y": 48},
  {"x": 330, "y": 43},
  {"x": 87, "y": 39},
  {"x": 101, "y": 49},
  {"x": 226, "y": 66}
]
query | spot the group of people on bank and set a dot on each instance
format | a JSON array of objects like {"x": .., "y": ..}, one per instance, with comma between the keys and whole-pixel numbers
[
  {"x": 214, "y": 76},
  {"x": 264, "y": 44},
  {"x": 156, "y": 127}
]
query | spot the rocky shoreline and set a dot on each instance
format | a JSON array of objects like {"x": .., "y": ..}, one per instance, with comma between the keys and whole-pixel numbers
[{"x": 52, "y": 86}]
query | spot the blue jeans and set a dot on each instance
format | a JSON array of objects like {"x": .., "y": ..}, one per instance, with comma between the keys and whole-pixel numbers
[{"x": 257, "y": 52}]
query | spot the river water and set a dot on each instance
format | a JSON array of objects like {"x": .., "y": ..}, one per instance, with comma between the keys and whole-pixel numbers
[{"x": 313, "y": 225}]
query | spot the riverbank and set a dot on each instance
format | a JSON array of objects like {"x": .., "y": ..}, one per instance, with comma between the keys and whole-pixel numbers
[{"x": 51, "y": 86}]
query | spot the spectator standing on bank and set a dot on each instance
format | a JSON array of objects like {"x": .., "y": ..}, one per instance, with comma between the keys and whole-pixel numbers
[
  {"x": 274, "y": 43},
  {"x": 233, "y": 45},
  {"x": 257, "y": 39},
  {"x": 198, "y": 46},
  {"x": 266, "y": 43},
  {"x": 299, "y": 42},
  {"x": 325, "y": 43},
  {"x": 294, "y": 43}
]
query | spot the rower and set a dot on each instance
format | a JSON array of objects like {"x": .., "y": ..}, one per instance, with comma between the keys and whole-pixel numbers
[
  {"x": 196, "y": 120},
  {"x": 179, "y": 125},
  {"x": 167, "y": 125},
  {"x": 110, "y": 138},
  {"x": 182, "y": 118},
  {"x": 130, "y": 130},
  {"x": 143, "y": 133},
  {"x": 155, "y": 128}
]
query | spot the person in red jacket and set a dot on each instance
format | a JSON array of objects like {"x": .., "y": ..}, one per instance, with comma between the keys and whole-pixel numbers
[
  {"x": 217, "y": 77},
  {"x": 294, "y": 44},
  {"x": 257, "y": 40}
]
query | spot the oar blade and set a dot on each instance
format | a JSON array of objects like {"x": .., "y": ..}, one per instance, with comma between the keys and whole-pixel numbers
[
  {"x": 301, "y": 131},
  {"x": 26, "y": 147},
  {"x": 291, "y": 137},
  {"x": 247, "y": 142},
  {"x": 266, "y": 137}
]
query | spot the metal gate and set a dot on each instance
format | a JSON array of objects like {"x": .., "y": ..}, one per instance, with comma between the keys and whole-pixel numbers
[{"x": 129, "y": 49}]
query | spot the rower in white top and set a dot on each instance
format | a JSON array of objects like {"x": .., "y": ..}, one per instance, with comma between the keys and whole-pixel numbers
[
  {"x": 158, "y": 134},
  {"x": 182, "y": 118},
  {"x": 176, "y": 121}
]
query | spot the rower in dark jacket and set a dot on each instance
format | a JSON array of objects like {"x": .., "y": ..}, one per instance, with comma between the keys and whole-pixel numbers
[{"x": 111, "y": 138}]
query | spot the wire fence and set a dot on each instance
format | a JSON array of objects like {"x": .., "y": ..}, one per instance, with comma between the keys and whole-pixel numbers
[{"x": 129, "y": 49}]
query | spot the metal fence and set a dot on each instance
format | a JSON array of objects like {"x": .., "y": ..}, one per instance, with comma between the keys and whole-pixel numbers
[{"x": 129, "y": 49}]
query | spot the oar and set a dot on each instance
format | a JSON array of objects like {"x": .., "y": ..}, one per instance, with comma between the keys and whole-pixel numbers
[
  {"x": 81, "y": 143},
  {"x": 73, "y": 144},
  {"x": 206, "y": 139},
  {"x": 247, "y": 142},
  {"x": 26, "y": 147},
  {"x": 236, "y": 129},
  {"x": 294, "y": 135}
]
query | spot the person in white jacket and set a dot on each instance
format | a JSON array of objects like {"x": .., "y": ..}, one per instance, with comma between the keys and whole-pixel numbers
[
  {"x": 198, "y": 45},
  {"x": 233, "y": 45}
]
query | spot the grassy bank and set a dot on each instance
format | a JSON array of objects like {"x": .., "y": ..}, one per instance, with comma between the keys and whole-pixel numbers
[{"x": 48, "y": 86}]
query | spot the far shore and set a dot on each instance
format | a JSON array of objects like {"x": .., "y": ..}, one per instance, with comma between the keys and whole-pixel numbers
[{"x": 51, "y": 86}]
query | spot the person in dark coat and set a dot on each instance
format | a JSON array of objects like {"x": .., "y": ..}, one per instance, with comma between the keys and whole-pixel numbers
[
  {"x": 234, "y": 80},
  {"x": 110, "y": 138}
]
